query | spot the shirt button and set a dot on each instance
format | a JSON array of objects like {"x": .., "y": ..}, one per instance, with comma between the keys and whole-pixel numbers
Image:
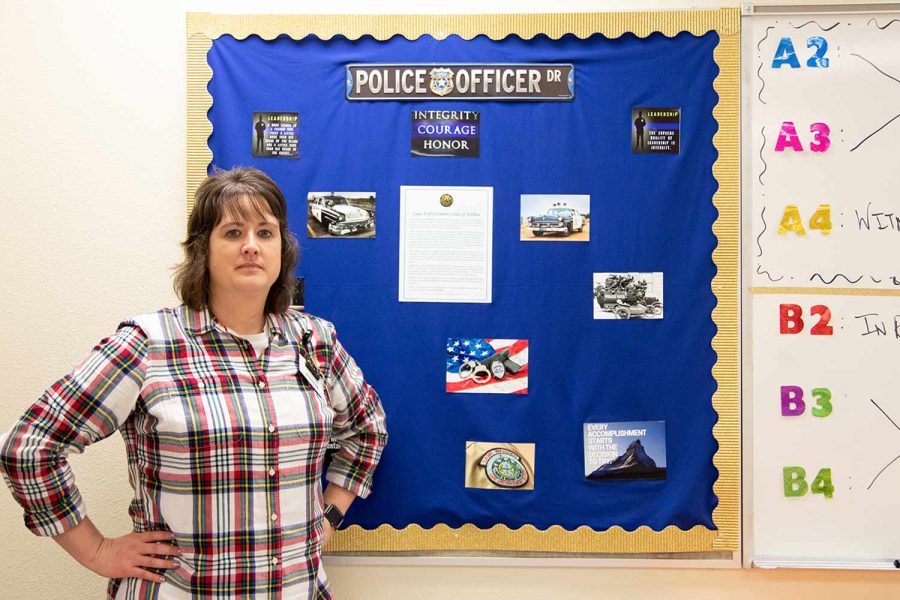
[
  {"x": 274, "y": 517},
  {"x": 274, "y": 560},
  {"x": 200, "y": 384},
  {"x": 272, "y": 472},
  {"x": 271, "y": 429},
  {"x": 262, "y": 384}
]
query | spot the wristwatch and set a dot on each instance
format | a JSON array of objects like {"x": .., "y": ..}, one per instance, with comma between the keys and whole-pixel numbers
[{"x": 334, "y": 515}]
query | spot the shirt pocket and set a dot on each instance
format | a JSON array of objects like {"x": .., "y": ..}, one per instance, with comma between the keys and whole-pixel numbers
[
  {"x": 199, "y": 417},
  {"x": 305, "y": 419}
]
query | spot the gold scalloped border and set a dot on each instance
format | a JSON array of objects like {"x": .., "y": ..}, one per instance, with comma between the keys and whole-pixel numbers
[
  {"x": 501, "y": 538},
  {"x": 199, "y": 101},
  {"x": 202, "y": 28},
  {"x": 381, "y": 27},
  {"x": 726, "y": 287}
]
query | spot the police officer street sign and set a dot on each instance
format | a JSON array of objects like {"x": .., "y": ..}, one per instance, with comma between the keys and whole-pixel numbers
[{"x": 469, "y": 81}]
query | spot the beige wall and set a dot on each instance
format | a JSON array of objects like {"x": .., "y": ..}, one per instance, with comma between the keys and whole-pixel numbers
[{"x": 92, "y": 161}]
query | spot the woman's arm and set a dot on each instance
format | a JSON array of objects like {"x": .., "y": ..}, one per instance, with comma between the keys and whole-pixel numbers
[
  {"x": 87, "y": 405},
  {"x": 359, "y": 423},
  {"x": 358, "y": 427}
]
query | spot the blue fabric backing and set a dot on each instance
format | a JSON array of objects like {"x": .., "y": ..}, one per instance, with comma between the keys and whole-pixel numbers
[{"x": 648, "y": 213}]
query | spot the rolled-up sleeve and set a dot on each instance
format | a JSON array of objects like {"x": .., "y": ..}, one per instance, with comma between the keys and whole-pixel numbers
[
  {"x": 359, "y": 423},
  {"x": 87, "y": 405}
]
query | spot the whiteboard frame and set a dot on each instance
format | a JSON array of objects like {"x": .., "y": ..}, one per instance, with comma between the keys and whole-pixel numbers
[
  {"x": 749, "y": 557},
  {"x": 746, "y": 333}
]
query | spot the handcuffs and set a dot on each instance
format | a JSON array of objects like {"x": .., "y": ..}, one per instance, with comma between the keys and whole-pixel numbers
[
  {"x": 495, "y": 366},
  {"x": 474, "y": 370}
]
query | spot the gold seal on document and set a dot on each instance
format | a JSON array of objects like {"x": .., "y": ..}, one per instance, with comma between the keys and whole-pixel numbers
[{"x": 446, "y": 200}]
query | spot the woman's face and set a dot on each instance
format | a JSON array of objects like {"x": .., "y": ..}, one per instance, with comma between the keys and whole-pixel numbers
[{"x": 244, "y": 253}]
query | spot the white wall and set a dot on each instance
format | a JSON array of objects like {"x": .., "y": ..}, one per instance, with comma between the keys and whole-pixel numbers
[{"x": 92, "y": 153}]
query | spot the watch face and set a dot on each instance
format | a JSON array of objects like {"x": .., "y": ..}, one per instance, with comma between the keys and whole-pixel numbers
[{"x": 334, "y": 516}]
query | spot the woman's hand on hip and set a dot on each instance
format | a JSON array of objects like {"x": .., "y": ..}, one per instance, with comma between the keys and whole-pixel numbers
[
  {"x": 131, "y": 555},
  {"x": 127, "y": 556}
]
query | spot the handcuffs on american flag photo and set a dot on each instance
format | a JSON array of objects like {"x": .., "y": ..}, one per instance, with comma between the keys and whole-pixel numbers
[{"x": 481, "y": 371}]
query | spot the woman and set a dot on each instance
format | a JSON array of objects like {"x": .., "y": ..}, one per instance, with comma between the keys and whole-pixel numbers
[{"x": 227, "y": 405}]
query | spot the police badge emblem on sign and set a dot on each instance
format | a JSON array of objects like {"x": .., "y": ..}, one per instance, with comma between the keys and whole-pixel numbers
[{"x": 441, "y": 81}]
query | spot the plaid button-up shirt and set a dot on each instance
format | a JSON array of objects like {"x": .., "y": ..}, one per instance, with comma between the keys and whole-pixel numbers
[{"x": 225, "y": 448}]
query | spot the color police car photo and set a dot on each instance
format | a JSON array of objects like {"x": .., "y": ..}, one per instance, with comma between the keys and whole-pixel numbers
[
  {"x": 341, "y": 214},
  {"x": 555, "y": 216}
]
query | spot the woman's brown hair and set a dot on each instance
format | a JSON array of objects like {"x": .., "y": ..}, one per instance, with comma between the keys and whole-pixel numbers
[{"x": 241, "y": 192}]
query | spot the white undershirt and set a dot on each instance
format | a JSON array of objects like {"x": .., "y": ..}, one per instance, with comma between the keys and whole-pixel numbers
[{"x": 259, "y": 341}]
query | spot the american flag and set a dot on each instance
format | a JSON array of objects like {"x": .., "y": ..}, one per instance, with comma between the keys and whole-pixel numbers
[{"x": 460, "y": 349}]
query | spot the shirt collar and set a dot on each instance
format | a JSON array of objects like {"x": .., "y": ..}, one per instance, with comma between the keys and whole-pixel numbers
[
  {"x": 276, "y": 324},
  {"x": 201, "y": 322}
]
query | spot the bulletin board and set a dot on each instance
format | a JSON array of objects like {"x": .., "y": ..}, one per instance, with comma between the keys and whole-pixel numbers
[
  {"x": 821, "y": 183},
  {"x": 622, "y": 316}
]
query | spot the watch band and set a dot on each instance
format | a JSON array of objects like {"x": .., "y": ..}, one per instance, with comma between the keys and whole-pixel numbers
[{"x": 334, "y": 515}]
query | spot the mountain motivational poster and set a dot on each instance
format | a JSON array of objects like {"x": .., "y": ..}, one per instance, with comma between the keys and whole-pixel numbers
[{"x": 625, "y": 451}]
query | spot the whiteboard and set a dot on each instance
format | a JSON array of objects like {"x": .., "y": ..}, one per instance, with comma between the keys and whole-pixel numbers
[{"x": 822, "y": 126}]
